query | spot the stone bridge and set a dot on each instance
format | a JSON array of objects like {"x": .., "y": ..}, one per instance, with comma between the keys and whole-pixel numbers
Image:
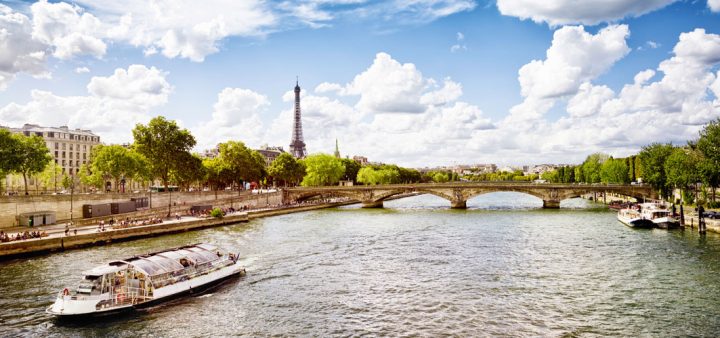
[{"x": 372, "y": 196}]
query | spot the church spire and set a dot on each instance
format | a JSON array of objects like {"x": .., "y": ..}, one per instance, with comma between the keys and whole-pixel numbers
[{"x": 337, "y": 149}]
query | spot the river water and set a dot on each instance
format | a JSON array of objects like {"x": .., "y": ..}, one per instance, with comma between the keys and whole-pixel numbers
[{"x": 505, "y": 267}]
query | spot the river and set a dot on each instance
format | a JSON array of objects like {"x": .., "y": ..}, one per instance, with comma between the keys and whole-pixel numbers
[{"x": 504, "y": 267}]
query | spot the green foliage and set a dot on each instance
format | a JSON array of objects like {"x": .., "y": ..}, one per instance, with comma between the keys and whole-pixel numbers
[
  {"x": 241, "y": 163},
  {"x": 218, "y": 173},
  {"x": 372, "y": 176},
  {"x": 216, "y": 213},
  {"x": 32, "y": 156},
  {"x": 113, "y": 162},
  {"x": 163, "y": 143},
  {"x": 614, "y": 171},
  {"x": 191, "y": 170},
  {"x": 681, "y": 168},
  {"x": 322, "y": 169},
  {"x": 653, "y": 159},
  {"x": 352, "y": 168},
  {"x": 287, "y": 169},
  {"x": 709, "y": 147},
  {"x": 592, "y": 166},
  {"x": 52, "y": 176}
]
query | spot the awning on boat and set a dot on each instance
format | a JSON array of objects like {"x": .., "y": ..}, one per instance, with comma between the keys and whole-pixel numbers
[{"x": 104, "y": 270}]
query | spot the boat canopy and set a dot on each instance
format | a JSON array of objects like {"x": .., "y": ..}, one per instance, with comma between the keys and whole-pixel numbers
[
  {"x": 169, "y": 261},
  {"x": 104, "y": 270}
]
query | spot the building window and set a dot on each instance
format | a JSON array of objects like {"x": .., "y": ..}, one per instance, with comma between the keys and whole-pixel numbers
[
  {"x": 84, "y": 156},
  {"x": 70, "y": 171},
  {"x": 56, "y": 154},
  {"x": 63, "y": 163},
  {"x": 84, "y": 147},
  {"x": 56, "y": 145},
  {"x": 63, "y": 146},
  {"x": 63, "y": 154},
  {"x": 77, "y": 163},
  {"x": 71, "y": 146},
  {"x": 77, "y": 156},
  {"x": 51, "y": 134}
]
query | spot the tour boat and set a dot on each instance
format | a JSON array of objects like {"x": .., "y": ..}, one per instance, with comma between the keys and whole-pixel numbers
[
  {"x": 660, "y": 216},
  {"x": 633, "y": 218},
  {"x": 145, "y": 280}
]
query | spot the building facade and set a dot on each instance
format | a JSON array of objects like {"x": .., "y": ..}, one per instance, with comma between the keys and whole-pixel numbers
[
  {"x": 69, "y": 148},
  {"x": 270, "y": 153}
]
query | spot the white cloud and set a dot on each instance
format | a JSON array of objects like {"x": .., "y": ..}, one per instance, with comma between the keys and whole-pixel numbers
[
  {"x": 166, "y": 26},
  {"x": 68, "y": 29},
  {"x": 112, "y": 108},
  {"x": 236, "y": 115},
  {"x": 138, "y": 85},
  {"x": 589, "y": 12},
  {"x": 18, "y": 51},
  {"x": 82, "y": 70},
  {"x": 714, "y": 5},
  {"x": 459, "y": 46},
  {"x": 574, "y": 57}
]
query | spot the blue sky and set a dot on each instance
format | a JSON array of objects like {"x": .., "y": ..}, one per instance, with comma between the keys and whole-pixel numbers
[{"x": 381, "y": 76}]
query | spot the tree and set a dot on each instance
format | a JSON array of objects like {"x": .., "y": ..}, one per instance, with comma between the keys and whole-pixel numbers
[
  {"x": 287, "y": 169},
  {"x": 352, "y": 168},
  {"x": 218, "y": 173},
  {"x": 243, "y": 163},
  {"x": 162, "y": 142},
  {"x": 116, "y": 163},
  {"x": 709, "y": 146},
  {"x": 614, "y": 171},
  {"x": 372, "y": 176},
  {"x": 681, "y": 168},
  {"x": 322, "y": 169},
  {"x": 32, "y": 156},
  {"x": 191, "y": 170},
  {"x": 9, "y": 145},
  {"x": 592, "y": 166},
  {"x": 653, "y": 159},
  {"x": 52, "y": 176}
]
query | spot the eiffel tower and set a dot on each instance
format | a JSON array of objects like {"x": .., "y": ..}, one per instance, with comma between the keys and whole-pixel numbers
[{"x": 297, "y": 145}]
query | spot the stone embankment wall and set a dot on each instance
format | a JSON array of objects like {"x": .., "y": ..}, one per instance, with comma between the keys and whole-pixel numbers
[{"x": 12, "y": 206}]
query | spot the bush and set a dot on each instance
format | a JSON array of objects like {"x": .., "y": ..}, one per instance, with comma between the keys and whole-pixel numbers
[
  {"x": 217, "y": 213},
  {"x": 713, "y": 205}
]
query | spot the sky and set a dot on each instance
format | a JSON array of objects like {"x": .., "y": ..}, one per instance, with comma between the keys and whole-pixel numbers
[{"x": 418, "y": 83}]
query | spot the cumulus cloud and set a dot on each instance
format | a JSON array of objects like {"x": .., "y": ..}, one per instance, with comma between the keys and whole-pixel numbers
[
  {"x": 236, "y": 114},
  {"x": 574, "y": 57},
  {"x": 82, "y": 70},
  {"x": 588, "y": 12},
  {"x": 714, "y": 5},
  {"x": 113, "y": 106},
  {"x": 68, "y": 29},
  {"x": 19, "y": 52}
]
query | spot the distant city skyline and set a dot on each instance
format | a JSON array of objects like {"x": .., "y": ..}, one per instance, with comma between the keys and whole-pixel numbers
[{"x": 419, "y": 84}]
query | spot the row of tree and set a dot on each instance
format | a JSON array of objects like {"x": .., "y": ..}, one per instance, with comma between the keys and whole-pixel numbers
[
  {"x": 664, "y": 166},
  {"x": 667, "y": 167}
]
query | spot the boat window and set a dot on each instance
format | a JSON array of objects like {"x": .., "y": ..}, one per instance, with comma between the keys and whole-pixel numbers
[
  {"x": 208, "y": 255},
  {"x": 168, "y": 264}
]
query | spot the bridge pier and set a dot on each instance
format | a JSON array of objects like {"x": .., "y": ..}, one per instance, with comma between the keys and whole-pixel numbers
[
  {"x": 372, "y": 204},
  {"x": 461, "y": 204},
  {"x": 551, "y": 204}
]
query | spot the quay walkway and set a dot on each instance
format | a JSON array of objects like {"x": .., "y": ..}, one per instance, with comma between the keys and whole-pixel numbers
[{"x": 88, "y": 235}]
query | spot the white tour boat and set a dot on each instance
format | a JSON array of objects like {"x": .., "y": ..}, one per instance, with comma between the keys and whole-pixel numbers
[
  {"x": 146, "y": 280},
  {"x": 659, "y": 215},
  {"x": 633, "y": 218}
]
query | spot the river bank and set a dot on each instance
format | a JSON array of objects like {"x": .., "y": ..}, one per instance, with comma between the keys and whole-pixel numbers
[{"x": 84, "y": 236}]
